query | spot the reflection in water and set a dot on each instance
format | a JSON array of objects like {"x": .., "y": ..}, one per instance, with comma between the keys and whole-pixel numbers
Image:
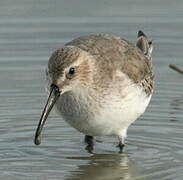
[
  {"x": 177, "y": 103},
  {"x": 106, "y": 167},
  {"x": 30, "y": 31},
  {"x": 177, "y": 107}
]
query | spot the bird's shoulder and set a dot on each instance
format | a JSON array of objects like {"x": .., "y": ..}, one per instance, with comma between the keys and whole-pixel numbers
[{"x": 112, "y": 52}]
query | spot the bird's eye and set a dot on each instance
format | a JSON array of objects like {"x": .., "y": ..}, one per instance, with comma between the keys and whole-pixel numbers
[{"x": 71, "y": 71}]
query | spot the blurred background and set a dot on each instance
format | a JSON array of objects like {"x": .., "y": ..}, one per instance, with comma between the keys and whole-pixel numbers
[{"x": 29, "y": 31}]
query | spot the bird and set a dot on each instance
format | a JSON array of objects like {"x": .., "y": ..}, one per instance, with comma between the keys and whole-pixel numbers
[{"x": 99, "y": 84}]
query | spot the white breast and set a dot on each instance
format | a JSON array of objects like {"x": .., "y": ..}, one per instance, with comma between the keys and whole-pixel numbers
[{"x": 107, "y": 115}]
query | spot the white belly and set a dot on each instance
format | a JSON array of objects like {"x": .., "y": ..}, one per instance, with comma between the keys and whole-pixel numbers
[
  {"x": 111, "y": 116},
  {"x": 116, "y": 117}
]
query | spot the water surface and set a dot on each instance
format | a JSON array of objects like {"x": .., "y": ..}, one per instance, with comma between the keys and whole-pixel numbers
[{"x": 29, "y": 32}]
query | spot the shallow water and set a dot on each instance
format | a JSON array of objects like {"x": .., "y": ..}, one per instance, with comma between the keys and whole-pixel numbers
[{"x": 29, "y": 32}]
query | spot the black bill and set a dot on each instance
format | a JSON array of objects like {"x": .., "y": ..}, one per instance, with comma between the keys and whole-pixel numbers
[{"x": 53, "y": 96}]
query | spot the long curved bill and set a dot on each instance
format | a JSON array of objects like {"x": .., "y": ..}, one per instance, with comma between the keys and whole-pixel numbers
[{"x": 53, "y": 96}]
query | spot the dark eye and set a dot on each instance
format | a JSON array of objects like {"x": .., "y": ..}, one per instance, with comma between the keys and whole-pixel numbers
[{"x": 71, "y": 71}]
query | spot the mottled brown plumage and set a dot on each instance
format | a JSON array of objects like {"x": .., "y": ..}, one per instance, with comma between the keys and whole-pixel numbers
[
  {"x": 110, "y": 53},
  {"x": 100, "y": 84}
]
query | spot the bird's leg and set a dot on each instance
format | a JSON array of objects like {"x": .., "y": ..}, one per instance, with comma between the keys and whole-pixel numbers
[
  {"x": 121, "y": 146},
  {"x": 89, "y": 142}
]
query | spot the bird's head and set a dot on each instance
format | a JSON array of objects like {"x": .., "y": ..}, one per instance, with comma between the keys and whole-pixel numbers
[{"x": 69, "y": 69}]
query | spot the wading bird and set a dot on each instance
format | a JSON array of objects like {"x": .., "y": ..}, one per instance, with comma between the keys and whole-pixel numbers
[{"x": 100, "y": 84}]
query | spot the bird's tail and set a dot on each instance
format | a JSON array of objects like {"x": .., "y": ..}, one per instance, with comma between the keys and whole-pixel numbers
[{"x": 144, "y": 44}]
